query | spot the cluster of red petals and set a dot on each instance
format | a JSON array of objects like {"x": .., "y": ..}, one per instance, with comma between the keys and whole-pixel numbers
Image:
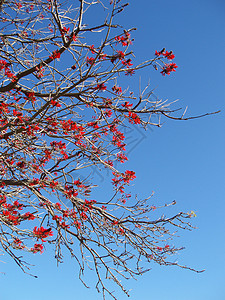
[
  {"x": 128, "y": 176},
  {"x": 130, "y": 72},
  {"x": 30, "y": 96},
  {"x": 65, "y": 30},
  {"x": 134, "y": 118},
  {"x": 118, "y": 136},
  {"x": 55, "y": 54},
  {"x": 121, "y": 157},
  {"x": 21, "y": 164},
  {"x": 168, "y": 68},
  {"x": 124, "y": 39},
  {"x": 90, "y": 60},
  {"x": 168, "y": 54},
  {"x": 4, "y": 108},
  {"x": 58, "y": 145},
  {"x": 55, "y": 103},
  {"x": 127, "y": 105},
  {"x": 18, "y": 5},
  {"x": 127, "y": 62},
  {"x": 18, "y": 243},
  {"x": 5, "y": 66},
  {"x": 107, "y": 102},
  {"x": 70, "y": 191},
  {"x": 37, "y": 248},
  {"x": 42, "y": 233},
  {"x": 166, "y": 248},
  {"x": 120, "y": 55},
  {"x": 28, "y": 216},
  {"x": 11, "y": 213},
  {"x": 100, "y": 87},
  {"x": 53, "y": 184},
  {"x": 108, "y": 113},
  {"x": 124, "y": 178},
  {"x": 117, "y": 89},
  {"x": 40, "y": 72},
  {"x": 92, "y": 49}
]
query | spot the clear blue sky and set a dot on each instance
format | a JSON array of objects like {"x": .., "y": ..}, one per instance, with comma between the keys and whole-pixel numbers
[{"x": 182, "y": 161}]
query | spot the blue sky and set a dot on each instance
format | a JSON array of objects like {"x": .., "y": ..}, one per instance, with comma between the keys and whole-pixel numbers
[{"x": 182, "y": 161}]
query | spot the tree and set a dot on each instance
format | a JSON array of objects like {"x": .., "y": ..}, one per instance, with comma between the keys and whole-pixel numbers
[{"x": 64, "y": 112}]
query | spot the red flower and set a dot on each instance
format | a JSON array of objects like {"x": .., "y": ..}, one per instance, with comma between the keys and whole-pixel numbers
[
  {"x": 65, "y": 30},
  {"x": 74, "y": 37},
  {"x": 120, "y": 55},
  {"x": 127, "y": 62},
  {"x": 19, "y": 5},
  {"x": 28, "y": 216},
  {"x": 37, "y": 248},
  {"x": 129, "y": 175},
  {"x": 134, "y": 118},
  {"x": 168, "y": 68},
  {"x": 160, "y": 52},
  {"x": 117, "y": 89},
  {"x": 58, "y": 206},
  {"x": 55, "y": 103},
  {"x": 90, "y": 60},
  {"x": 42, "y": 233},
  {"x": 129, "y": 72},
  {"x": 121, "y": 157},
  {"x": 169, "y": 55},
  {"x": 18, "y": 243},
  {"x": 92, "y": 48},
  {"x": 121, "y": 231},
  {"x": 55, "y": 54},
  {"x": 100, "y": 87},
  {"x": 125, "y": 39},
  {"x": 21, "y": 164},
  {"x": 127, "y": 105}
]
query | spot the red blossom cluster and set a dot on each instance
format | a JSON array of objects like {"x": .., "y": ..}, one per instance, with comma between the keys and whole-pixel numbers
[
  {"x": 65, "y": 30},
  {"x": 124, "y": 39},
  {"x": 117, "y": 89},
  {"x": 120, "y": 55},
  {"x": 127, "y": 62},
  {"x": 170, "y": 67},
  {"x": 134, "y": 118},
  {"x": 30, "y": 96},
  {"x": 118, "y": 137},
  {"x": 37, "y": 248},
  {"x": 130, "y": 72},
  {"x": 90, "y": 61},
  {"x": 42, "y": 233},
  {"x": 55, "y": 103},
  {"x": 121, "y": 157},
  {"x": 100, "y": 87},
  {"x": 168, "y": 54},
  {"x": 10, "y": 212},
  {"x": 5, "y": 66},
  {"x": 55, "y": 55},
  {"x": 124, "y": 178},
  {"x": 126, "y": 104},
  {"x": 40, "y": 71}
]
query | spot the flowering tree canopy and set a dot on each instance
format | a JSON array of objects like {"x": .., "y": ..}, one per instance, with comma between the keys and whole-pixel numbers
[{"x": 63, "y": 112}]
